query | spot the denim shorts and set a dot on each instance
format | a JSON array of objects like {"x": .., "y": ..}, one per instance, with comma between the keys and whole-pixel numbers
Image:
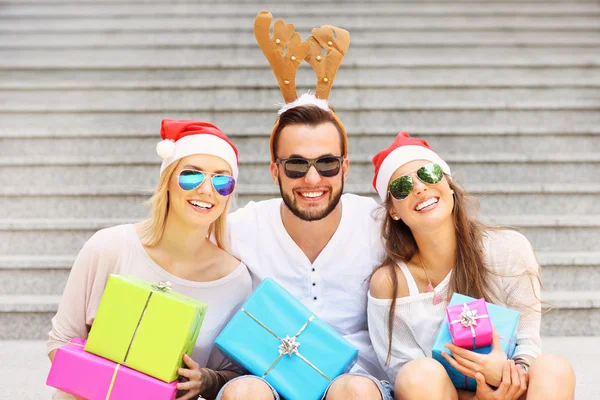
[{"x": 386, "y": 389}]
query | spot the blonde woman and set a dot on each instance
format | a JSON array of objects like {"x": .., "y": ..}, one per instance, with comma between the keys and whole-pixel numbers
[{"x": 197, "y": 179}]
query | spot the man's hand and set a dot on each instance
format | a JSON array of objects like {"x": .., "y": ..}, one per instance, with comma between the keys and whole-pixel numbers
[{"x": 196, "y": 377}]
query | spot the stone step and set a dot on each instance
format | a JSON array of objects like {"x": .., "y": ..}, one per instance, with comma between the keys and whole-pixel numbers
[
  {"x": 294, "y": 10},
  {"x": 234, "y": 38},
  {"x": 440, "y": 123},
  {"x": 252, "y": 57},
  {"x": 262, "y": 78},
  {"x": 306, "y": 2},
  {"x": 570, "y": 271},
  {"x": 262, "y": 100},
  {"x": 353, "y": 23},
  {"x": 47, "y": 274},
  {"x": 141, "y": 171},
  {"x": 93, "y": 201},
  {"x": 568, "y": 233},
  {"x": 415, "y": 121},
  {"x": 574, "y": 314},
  {"x": 123, "y": 145}
]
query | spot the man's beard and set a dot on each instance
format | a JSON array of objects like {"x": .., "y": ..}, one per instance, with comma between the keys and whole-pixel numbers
[{"x": 311, "y": 215}]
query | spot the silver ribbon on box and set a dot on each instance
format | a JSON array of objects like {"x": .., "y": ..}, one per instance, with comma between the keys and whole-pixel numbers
[
  {"x": 162, "y": 286},
  {"x": 289, "y": 345}
]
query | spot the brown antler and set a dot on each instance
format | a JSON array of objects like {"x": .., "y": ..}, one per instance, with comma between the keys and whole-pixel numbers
[
  {"x": 336, "y": 42},
  {"x": 284, "y": 66}
]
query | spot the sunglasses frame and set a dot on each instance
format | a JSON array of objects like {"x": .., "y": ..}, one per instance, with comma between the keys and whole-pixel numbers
[
  {"x": 415, "y": 172},
  {"x": 312, "y": 162},
  {"x": 205, "y": 174}
]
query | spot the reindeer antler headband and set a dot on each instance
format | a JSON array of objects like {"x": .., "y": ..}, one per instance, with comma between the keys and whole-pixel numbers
[{"x": 334, "y": 40}]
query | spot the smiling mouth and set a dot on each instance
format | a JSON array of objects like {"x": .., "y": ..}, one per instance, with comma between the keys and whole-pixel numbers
[
  {"x": 427, "y": 203},
  {"x": 200, "y": 204},
  {"x": 312, "y": 195}
]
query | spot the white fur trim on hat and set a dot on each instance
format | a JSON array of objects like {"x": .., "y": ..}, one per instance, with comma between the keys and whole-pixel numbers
[
  {"x": 305, "y": 99},
  {"x": 202, "y": 144},
  {"x": 401, "y": 156}
]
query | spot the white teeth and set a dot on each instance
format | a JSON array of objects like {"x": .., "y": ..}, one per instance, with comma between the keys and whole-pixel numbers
[
  {"x": 427, "y": 203},
  {"x": 201, "y": 204},
  {"x": 312, "y": 194}
]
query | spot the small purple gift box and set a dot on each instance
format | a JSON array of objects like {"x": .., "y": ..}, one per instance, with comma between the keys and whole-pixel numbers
[{"x": 470, "y": 325}]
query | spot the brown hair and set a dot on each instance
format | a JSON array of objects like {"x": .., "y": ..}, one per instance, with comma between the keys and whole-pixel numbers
[
  {"x": 310, "y": 115},
  {"x": 154, "y": 227},
  {"x": 470, "y": 272}
]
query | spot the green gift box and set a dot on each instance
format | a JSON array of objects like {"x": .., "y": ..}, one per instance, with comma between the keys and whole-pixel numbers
[{"x": 145, "y": 327}]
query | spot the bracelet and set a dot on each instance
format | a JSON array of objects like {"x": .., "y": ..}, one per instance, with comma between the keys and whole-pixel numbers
[{"x": 523, "y": 363}]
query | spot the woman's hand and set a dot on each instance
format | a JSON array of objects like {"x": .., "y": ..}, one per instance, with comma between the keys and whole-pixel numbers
[
  {"x": 469, "y": 363},
  {"x": 196, "y": 377},
  {"x": 513, "y": 386}
]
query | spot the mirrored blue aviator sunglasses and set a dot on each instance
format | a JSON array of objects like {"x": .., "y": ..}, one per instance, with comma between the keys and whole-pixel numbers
[{"x": 190, "y": 179}]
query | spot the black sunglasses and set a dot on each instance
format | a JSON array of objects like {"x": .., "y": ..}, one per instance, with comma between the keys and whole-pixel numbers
[{"x": 297, "y": 167}]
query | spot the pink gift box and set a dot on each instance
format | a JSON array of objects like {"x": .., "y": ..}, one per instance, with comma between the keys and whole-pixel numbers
[
  {"x": 470, "y": 325},
  {"x": 88, "y": 376}
]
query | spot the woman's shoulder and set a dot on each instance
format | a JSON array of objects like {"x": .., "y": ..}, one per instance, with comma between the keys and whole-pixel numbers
[
  {"x": 506, "y": 237},
  {"x": 508, "y": 241},
  {"x": 382, "y": 283},
  {"x": 507, "y": 247},
  {"x": 109, "y": 241},
  {"x": 228, "y": 264}
]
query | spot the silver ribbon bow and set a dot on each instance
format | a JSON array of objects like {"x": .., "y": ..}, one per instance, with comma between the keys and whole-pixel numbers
[
  {"x": 468, "y": 318},
  {"x": 289, "y": 345},
  {"x": 163, "y": 286}
]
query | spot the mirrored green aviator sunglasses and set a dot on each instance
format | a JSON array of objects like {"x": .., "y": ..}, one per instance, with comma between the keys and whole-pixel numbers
[{"x": 430, "y": 174}]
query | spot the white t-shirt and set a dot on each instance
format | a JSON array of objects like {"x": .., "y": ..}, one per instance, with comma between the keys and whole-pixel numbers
[
  {"x": 118, "y": 250},
  {"x": 335, "y": 286},
  {"x": 510, "y": 257}
]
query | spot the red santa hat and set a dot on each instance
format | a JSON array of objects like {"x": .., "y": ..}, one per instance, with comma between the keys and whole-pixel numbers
[
  {"x": 182, "y": 138},
  {"x": 404, "y": 149}
]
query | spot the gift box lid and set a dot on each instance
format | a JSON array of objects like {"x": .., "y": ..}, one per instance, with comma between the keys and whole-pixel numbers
[
  {"x": 145, "y": 326},
  {"x": 248, "y": 341}
]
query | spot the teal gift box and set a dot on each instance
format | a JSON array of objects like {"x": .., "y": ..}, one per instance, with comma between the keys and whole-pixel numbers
[
  {"x": 276, "y": 337},
  {"x": 504, "y": 320}
]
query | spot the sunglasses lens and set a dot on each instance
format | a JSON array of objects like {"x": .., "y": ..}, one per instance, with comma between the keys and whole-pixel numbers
[
  {"x": 223, "y": 184},
  {"x": 430, "y": 173},
  {"x": 296, "y": 168},
  {"x": 190, "y": 179},
  {"x": 401, "y": 187},
  {"x": 328, "y": 166}
]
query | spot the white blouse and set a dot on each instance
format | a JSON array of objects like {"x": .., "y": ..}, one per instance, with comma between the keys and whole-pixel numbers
[
  {"x": 118, "y": 250},
  {"x": 510, "y": 258}
]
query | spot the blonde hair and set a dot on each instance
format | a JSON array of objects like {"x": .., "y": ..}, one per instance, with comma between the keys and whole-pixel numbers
[{"x": 154, "y": 227}]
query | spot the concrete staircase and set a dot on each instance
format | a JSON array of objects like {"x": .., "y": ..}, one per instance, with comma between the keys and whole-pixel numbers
[{"x": 507, "y": 91}]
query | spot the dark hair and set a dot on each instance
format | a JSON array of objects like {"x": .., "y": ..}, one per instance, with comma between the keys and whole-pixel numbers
[
  {"x": 310, "y": 115},
  {"x": 470, "y": 271}
]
